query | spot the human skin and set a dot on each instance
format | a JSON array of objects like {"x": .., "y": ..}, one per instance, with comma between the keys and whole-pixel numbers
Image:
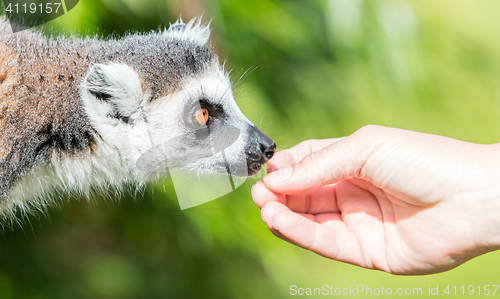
[{"x": 388, "y": 199}]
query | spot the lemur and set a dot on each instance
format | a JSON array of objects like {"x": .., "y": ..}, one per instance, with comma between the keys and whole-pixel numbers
[{"x": 78, "y": 113}]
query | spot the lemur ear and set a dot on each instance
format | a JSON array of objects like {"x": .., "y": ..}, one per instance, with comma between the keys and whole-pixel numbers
[
  {"x": 192, "y": 31},
  {"x": 117, "y": 84}
]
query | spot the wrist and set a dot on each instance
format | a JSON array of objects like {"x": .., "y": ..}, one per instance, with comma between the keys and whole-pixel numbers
[{"x": 484, "y": 207}]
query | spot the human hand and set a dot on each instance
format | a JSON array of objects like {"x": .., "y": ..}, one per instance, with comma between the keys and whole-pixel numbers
[{"x": 387, "y": 199}]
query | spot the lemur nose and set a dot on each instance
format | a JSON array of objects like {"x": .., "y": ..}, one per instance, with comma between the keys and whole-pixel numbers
[
  {"x": 260, "y": 149},
  {"x": 267, "y": 150}
]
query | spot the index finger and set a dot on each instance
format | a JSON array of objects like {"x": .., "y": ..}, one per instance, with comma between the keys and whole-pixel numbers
[
  {"x": 288, "y": 157},
  {"x": 339, "y": 160}
]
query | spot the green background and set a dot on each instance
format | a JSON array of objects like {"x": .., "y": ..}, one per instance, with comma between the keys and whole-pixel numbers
[{"x": 318, "y": 69}]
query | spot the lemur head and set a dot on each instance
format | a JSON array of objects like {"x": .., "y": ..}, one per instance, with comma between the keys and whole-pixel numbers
[{"x": 164, "y": 101}]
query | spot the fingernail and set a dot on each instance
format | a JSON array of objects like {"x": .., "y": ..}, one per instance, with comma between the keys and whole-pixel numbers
[
  {"x": 275, "y": 226},
  {"x": 279, "y": 175},
  {"x": 251, "y": 192}
]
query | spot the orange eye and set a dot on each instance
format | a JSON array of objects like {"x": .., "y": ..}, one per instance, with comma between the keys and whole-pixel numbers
[{"x": 201, "y": 116}]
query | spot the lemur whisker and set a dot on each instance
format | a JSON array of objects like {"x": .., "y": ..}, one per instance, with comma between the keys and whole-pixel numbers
[{"x": 240, "y": 80}]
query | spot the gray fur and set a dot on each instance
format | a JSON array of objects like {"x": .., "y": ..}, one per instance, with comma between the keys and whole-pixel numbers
[{"x": 75, "y": 101}]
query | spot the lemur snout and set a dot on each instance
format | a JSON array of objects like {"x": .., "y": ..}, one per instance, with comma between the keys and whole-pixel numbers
[{"x": 261, "y": 149}]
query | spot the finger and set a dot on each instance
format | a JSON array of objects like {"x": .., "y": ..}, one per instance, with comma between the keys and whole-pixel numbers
[
  {"x": 281, "y": 159},
  {"x": 335, "y": 243},
  {"x": 322, "y": 200},
  {"x": 288, "y": 157},
  {"x": 337, "y": 161},
  {"x": 268, "y": 211},
  {"x": 271, "y": 209},
  {"x": 261, "y": 195},
  {"x": 333, "y": 220}
]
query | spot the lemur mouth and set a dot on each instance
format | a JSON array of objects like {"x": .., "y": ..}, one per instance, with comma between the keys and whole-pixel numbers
[
  {"x": 264, "y": 153},
  {"x": 258, "y": 151},
  {"x": 254, "y": 169}
]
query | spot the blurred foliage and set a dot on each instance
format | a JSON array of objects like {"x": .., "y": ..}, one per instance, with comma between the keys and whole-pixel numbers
[{"x": 316, "y": 69}]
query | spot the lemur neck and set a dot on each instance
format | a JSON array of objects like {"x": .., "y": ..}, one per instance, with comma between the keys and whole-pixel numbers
[
  {"x": 41, "y": 88},
  {"x": 41, "y": 114}
]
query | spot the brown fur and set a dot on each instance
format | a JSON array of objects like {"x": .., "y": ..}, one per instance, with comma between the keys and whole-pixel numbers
[{"x": 40, "y": 110}]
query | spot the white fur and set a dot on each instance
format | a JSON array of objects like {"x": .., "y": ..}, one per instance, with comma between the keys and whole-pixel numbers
[
  {"x": 193, "y": 31},
  {"x": 121, "y": 81},
  {"x": 216, "y": 85},
  {"x": 163, "y": 119},
  {"x": 100, "y": 171}
]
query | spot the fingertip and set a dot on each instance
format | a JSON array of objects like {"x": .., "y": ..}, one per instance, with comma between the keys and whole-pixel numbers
[
  {"x": 278, "y": 176},
  {"x": 295, "y": 227},
  {"x": 266, "y": 214},
  {"x": 294, "y": 180},
  {"x": 286, "y": 219},
  {"x": 255, "y": 192},
  {"x": 261, "y": 195},
  {"x": 271, "y": 167},
  {"x": 269, "y": 210},
  {"x": 286, "y": 181},
  {"x": 281, "y": 159},
  {"x": 280, "y": 220}
]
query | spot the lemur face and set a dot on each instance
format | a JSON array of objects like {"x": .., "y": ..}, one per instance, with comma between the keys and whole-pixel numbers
[
  {"x": 211, "y": 133},
  {"x": 174, "y": 109}
]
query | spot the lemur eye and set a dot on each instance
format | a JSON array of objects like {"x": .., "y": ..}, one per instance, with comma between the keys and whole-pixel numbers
[{"x": 202, "y": 116}]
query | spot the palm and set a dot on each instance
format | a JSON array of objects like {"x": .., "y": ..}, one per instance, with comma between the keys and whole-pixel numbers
[
  {"x": 356, "y": 222},
  {"x": 390, "y": 234}
]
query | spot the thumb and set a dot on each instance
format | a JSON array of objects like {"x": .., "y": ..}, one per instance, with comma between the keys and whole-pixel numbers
[{"x": 343, "y": 159}]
